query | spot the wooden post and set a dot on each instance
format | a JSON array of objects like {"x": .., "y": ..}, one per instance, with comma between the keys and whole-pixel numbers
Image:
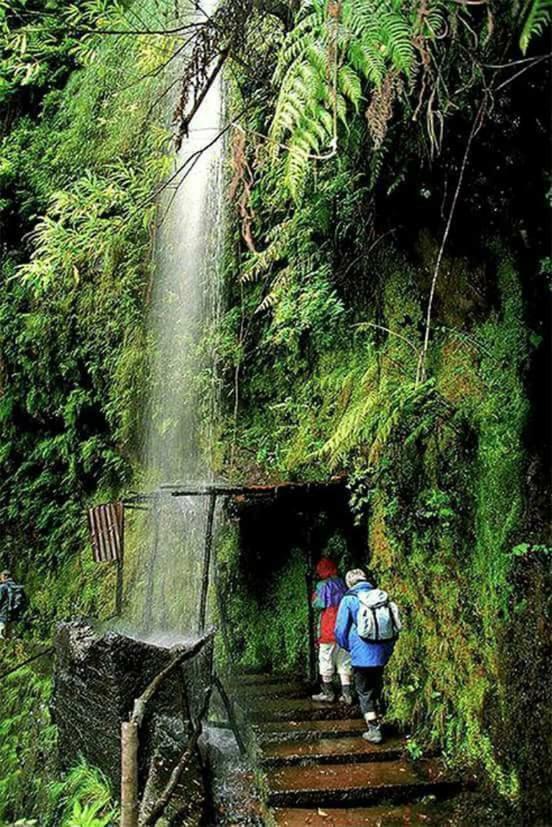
[
  {"x": 120, "y": 572},
  {"x": 312, "y": 670},
  {"x": 222, "y": 614},
  {"x": 129, "y": 774},
  {"x": 207, "y": 562},
  {"x": 232, "y": 720},
  {"x": 148, "y": 606}
]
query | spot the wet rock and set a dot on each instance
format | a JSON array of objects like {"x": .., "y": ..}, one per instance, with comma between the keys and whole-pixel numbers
[
  {"x": 235, "y": 799},
  {"x": 187, "y": 806},
  {"x": 97, "y": 679}
]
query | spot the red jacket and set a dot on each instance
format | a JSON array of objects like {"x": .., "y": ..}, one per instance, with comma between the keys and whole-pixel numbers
[{"x": 327, "y": 597}]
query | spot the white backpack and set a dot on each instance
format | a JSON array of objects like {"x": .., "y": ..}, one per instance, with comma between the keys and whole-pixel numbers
[{"x": 378, "y": 617}]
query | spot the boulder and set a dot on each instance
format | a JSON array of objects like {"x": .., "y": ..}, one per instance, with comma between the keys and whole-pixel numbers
[{"x": 98, "y": 676}]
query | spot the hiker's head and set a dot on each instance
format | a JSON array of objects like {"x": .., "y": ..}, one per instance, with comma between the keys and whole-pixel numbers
[
  {"x": 326, "y": 568},
  {"x": 6, "y": 575},
  {"x": 355, "y": 576}
]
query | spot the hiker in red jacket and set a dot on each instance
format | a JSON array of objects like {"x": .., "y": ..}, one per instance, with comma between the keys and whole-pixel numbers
[{"x": 328, "y": 592}]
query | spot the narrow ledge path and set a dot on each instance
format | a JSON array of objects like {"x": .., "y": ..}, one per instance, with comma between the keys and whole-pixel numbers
[{"x": 319, "y": 771}]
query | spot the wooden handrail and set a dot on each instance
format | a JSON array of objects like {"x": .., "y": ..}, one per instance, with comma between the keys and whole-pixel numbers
[{"x": 130, "y": 733}]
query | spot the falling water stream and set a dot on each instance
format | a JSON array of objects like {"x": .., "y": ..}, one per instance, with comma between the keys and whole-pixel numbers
[{"x": 184, "y": 305}]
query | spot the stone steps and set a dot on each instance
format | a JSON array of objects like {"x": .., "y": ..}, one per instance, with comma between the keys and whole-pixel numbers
[
  {"x": 249, "y": 693},
  {"x": 330, "y": 751},
  {"x": 300, "y": 709},
  {"x": 376, "y": 816},
  {"x": 279, "y": 731},
  {"x": 320, "y": 771},
  {"x": 330, "y": 785}
]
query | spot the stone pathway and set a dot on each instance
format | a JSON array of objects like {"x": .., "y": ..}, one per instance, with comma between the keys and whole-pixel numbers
[{"x": 319, "y": 771}]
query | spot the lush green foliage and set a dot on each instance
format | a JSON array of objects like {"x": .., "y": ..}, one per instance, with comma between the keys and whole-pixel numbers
[
  {"x": 324, "y": 335},
  {"x": 77, "y": 180},
  {"x": 72, "y": 337},
  {"x": 350, "y": 144},
  {"x": 27, "y": 740},
  {"x": 29, "y": 783},
  {"x": 334, "y": 49}
]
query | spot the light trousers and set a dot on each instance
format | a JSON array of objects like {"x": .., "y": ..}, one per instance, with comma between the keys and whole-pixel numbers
[{"x": 331, "y": 659}]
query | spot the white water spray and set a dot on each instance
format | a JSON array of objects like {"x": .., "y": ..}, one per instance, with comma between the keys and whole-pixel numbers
[{"x": 184, "y": 306}]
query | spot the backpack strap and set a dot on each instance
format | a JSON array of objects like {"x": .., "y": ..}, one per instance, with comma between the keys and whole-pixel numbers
[{"x": 376, "y": 625}]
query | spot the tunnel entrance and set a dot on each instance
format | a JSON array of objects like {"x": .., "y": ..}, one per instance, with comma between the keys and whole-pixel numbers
[
  {"x": 258, "y": 564},
  {"x": 264, "y": 571}
]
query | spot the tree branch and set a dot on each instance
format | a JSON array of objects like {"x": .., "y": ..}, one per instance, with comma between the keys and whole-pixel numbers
[
  {"x": 161, "y": 804},
  {"x": 140, "y": 703}
]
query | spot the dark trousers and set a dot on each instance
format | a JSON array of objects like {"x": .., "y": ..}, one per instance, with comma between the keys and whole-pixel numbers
[{"x": 368, "y": 684}]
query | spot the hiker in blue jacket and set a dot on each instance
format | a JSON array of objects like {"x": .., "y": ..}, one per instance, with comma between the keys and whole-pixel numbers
[{"x": 368, "y": 658}]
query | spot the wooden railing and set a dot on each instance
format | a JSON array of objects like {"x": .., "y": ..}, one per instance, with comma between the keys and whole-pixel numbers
[
  {"x": 136, "y": 813},
  {"x": 140, "y": 814}
]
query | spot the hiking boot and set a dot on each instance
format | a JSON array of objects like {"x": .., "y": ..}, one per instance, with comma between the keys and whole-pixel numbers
[
  {"x": 346, "y": 696},
  {"x": 326, "y": 696},
  {"x": 374, "y": 733}
]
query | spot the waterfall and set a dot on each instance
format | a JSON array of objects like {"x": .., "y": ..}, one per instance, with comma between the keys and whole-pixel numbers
[{"x": 184, "y": 306}]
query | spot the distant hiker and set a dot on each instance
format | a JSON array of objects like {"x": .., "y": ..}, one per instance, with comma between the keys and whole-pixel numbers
[
  {"x": 332, "y": 658},
  {"x": 367, "y": 626},
  {"x": 13, "y": 603}
]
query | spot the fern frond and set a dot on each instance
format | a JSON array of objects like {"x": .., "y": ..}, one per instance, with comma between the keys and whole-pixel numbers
[
  {"x": 537, "y": 17},
  {"x": 397, "y": 38},
  {"x": 279, "y": 239},
  {"x": 350, "y": 86},
  {"x": 297, "y": 166},
  {"x": 280, "y": 283},
  {"x": 297, "y": 43},
  {"x": 368, "y": 61},
  {"x": 370, "y": 40}
]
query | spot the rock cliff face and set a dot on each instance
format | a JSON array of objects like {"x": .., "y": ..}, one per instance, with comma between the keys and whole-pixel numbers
[{"x": 98, "y": 676}]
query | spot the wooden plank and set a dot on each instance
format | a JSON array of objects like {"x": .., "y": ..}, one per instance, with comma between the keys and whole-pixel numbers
[{"x": 105, "y": 523}]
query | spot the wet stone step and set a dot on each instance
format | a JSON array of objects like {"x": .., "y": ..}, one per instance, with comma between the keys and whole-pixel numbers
[
  {"x": 377, "y": 816},
  {"x": 258, "y": 679},
  {"x": 254, "y": 692},
  {"x": 280, "y": 731},
  {"x": 356, "y": 784},
  {"x": 299, "y": 710},
  {"x": 331, "y": 751}
]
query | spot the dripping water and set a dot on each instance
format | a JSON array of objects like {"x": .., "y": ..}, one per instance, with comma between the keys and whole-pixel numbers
[{"x": 185, "y": 302}]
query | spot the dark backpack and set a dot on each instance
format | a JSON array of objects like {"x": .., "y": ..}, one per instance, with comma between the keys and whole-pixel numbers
[{"x": 17, "y": 602}]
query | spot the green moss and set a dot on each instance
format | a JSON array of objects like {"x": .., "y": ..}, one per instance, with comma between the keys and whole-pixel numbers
[
  {"x": 74, "y": 350},
  {"x": 438, "y": 479},
  {"x": 27, "y": 740},
  {"x": 266, "y": 613}
]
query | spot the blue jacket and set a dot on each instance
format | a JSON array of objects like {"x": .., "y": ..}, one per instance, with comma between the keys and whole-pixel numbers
[{"x": 363, "y": 653}]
